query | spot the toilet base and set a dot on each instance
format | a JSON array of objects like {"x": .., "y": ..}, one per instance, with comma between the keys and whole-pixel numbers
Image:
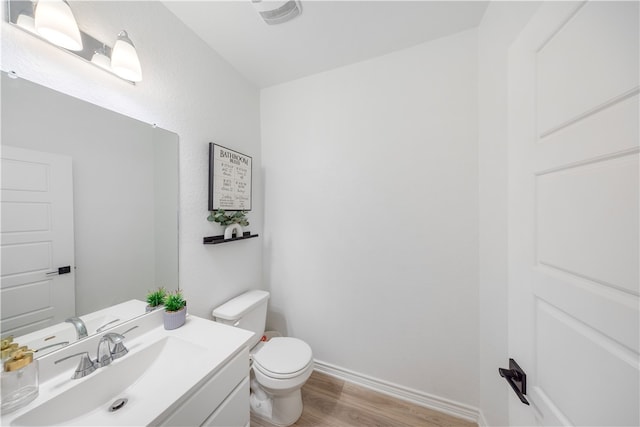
[{"x": 285, "y": 410}]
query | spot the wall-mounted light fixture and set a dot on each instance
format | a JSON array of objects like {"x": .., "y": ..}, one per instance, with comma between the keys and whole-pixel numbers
[
  {"x": 53, "y": 21},
  {"x": 124, "y": 58}
]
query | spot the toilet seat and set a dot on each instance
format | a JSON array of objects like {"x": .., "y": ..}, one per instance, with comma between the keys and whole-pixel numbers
[{"x": 283, "y": 357}]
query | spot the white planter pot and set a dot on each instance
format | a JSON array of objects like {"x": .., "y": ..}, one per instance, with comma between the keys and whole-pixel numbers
[
  {"x": 174, "y": 319},
  {"x": 233, "y": 228}
]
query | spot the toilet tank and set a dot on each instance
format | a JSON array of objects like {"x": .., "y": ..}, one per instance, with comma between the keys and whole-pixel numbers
[{"x": 247, "y": 311}]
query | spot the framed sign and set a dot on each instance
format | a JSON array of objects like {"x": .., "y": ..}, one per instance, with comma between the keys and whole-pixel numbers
[{"x": 229, "y": 179}]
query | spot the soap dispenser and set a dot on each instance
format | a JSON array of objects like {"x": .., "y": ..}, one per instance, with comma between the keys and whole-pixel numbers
[{"x": 19, "y": 376}]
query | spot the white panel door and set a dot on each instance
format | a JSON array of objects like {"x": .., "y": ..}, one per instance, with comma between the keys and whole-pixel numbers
[
  {"x": 574, "y": 323},
  {"x": 37, "y": 239}
]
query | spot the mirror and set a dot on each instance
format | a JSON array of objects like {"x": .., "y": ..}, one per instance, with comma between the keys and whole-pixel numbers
[{"x": 89, "y": 210}]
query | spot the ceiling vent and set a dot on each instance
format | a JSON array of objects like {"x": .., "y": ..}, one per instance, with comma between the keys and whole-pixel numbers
[{"x": 277, "y": 11}]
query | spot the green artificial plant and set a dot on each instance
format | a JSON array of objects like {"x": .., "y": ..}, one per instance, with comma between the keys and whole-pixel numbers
[
  {"x": 174, "y": 301},
  {"x": 157, "y": 297},
  {"x": 225, "y": 219}
]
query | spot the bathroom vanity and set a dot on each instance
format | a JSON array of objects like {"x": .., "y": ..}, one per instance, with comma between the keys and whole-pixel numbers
[{"x": 194, "y": 375}]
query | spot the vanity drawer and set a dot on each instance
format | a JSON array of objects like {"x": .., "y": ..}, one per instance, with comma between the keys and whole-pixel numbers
[
  {"x": 205, "y": 400},
  {"x": 234, "y": 411}
]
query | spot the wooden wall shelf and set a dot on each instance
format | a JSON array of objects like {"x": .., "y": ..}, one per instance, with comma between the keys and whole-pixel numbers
[{"x": 214, "y": 240}]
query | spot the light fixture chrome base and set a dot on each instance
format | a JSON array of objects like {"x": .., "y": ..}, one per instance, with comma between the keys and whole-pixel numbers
[{"x": 20, "y": 13}]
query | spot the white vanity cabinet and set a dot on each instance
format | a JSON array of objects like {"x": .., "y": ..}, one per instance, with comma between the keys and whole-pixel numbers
[
  {"x": 221, "y": 399},
  {"x": 234, "y": 411},
  {"x": 195, "y": 375}
]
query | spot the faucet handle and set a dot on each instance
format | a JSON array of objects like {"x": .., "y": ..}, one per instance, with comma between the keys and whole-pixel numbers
[
  {"x": 85, "y": 367},
  {"x": 106, "y": 325},
  {"x": 114, "y": 338},
  {"x": 46, "y": 347},
  {"x": 119, "y": 349}
]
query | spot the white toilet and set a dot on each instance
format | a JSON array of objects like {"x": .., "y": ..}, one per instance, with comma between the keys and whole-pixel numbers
[{"x": 280, "y": 366}]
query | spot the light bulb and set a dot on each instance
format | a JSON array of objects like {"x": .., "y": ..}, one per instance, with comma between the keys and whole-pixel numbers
[
  {"x": 124, "y": 59},
  {"x": 55, "y": 22},
  {"x": 101, "y": 59}
]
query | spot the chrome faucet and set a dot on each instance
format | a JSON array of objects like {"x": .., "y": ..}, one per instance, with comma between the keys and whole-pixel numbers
[
  {"x": 81, "y": 329},
  {"x": 105, "y": 354}
]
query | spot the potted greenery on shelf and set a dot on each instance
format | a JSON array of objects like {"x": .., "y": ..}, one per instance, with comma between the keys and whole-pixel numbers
[
  {"x": 175, "y": 310},
  {"x": 233, "y": 222},
  {"x": 156, "y": 298}
]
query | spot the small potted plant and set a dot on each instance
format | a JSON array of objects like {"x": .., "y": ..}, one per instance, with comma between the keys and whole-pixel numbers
[
  {"x": 156, "y": 298},
  {"x": 175, "y": 310},
  {"x": 233, "y": 222}
]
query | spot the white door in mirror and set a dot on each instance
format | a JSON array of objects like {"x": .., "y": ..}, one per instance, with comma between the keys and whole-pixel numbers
[{"x": 37, "y": 240}]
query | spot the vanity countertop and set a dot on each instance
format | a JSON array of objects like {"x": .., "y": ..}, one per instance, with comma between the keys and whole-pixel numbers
[{"x": 208, "y": 346}]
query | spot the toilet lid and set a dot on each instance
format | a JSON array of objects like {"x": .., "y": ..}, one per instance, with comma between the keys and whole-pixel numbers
[{"x": 283, "y": 355}]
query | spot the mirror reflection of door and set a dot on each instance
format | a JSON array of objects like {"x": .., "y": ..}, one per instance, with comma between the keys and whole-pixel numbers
[{"x": 37, "y": 239}]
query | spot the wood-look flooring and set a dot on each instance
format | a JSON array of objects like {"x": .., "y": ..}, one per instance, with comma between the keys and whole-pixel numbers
[{"x": 329, "y": 401}]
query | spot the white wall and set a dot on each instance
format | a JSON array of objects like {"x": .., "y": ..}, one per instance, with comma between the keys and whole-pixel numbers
[
  {"x": 371, "y": 225},
  {"x": 188, "y": 89},
  {"x": 500, "y": 25}
]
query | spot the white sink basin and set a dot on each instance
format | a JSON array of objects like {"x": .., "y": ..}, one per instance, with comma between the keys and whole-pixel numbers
[{"x": 139, "y": 377}]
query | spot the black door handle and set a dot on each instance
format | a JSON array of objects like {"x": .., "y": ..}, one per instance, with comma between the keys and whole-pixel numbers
[
  {"x": 62, "y": 270},
  {"x": 516, "y": 378}
]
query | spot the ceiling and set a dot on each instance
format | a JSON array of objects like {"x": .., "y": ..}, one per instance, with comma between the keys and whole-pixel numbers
[{"x": 328, "y": 34}]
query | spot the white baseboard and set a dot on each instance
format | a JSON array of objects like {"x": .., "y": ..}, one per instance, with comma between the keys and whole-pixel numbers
[
  {"x": 410, "y": 395},
  {"x": 482, "y": 421}
]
